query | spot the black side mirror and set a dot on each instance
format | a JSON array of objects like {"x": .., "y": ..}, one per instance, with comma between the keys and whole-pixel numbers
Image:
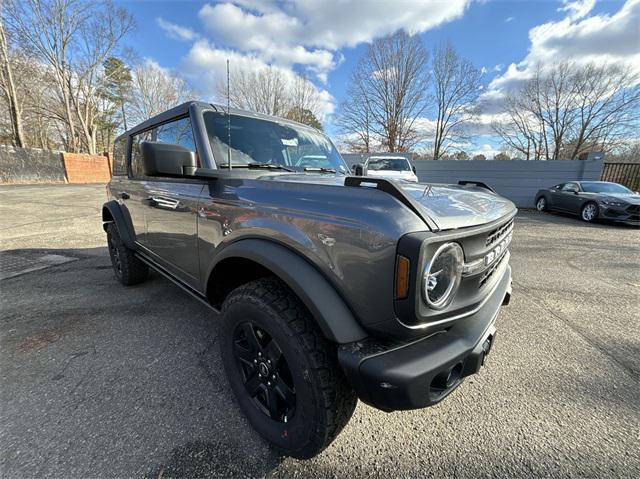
[
  {"x": 413, "y": 168},
  {"x": 359, "y": 170},
  {"x": 575, "y": 192},
  {"x": 167, "y": 159}
]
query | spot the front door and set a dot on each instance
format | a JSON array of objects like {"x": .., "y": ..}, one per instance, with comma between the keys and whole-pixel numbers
[
  {"x": 171, "y": 224},
  {"x": 569, "y": 198},
  {"x": 163, "y": 209}
]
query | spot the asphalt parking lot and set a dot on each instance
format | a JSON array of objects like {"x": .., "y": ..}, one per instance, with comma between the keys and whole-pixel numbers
[{"x": 98, "y": 380}]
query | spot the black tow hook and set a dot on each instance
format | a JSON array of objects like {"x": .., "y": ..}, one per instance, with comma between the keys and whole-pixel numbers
[{"x": 486, "y": 348}]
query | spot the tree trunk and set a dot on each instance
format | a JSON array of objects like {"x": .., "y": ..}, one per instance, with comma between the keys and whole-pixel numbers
[{"x": 14, "y": 108}]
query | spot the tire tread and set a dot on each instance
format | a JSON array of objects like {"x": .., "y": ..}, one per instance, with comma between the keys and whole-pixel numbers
[{"x": 338, "y": 399}]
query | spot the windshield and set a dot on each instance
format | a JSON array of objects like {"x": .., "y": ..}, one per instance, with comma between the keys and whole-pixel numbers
[
  {"x": 256, "y": 141},
  {"x": 395, "y": 164},
  {"x": 595, "y": 187}
]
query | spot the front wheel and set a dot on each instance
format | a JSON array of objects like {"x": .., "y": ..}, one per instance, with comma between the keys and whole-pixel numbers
[
  {"x": 589, "y": 212},
  {"x": 541, "y": 204},
  {"x": 284, "y": 373},
  {"x": 128, "y": 269}
]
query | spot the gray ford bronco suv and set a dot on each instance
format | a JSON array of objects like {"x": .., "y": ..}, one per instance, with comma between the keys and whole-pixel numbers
[{"x": 329, "y": 287}]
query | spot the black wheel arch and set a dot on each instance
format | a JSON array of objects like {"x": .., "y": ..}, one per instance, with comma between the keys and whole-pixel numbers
[
  {"x": 544, "y": 195},
  {"x": 112, "y": 212},
  {"x": 260, "y": 257}
]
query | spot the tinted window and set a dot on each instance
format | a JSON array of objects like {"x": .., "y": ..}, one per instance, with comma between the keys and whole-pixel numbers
[
  {"x": 393, "y": 164},
  {"x": 119, "y": 158},
  {"x": 136, "y": 158},
  {"x": 254, "y": 140},
  {"x": 178, "y": 132},
  {"x": 595, "y": 187}
]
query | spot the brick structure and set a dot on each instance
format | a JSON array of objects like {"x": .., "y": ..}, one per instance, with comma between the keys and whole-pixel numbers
[{"x": 86, "y": 168}]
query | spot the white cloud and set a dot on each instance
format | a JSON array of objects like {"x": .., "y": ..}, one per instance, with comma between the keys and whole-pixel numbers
[
  {"x": 577, "y": 8},
  {"x": 176, "y": 31},
  {"x": 305, "y": 35},
  {"x": 205, "y": 65},
  {"x": 310, "y": 32},
  {"x": 579, "y": 37},
  {"x": 509, "y": 19}
]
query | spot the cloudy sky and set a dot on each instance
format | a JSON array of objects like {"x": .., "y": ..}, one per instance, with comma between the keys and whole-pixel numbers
[{"x": 325, "y": 38}]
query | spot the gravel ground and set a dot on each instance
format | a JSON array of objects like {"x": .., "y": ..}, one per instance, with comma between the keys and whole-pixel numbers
[{"x": 98, "y": 380}]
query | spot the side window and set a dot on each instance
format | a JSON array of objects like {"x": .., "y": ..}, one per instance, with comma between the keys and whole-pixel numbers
[
  {"x": 136, "y": 158},
  {"x": 119, "y": 157},
  {"x": 178, "y": 132},
  {"x": 570, "y": 187}
]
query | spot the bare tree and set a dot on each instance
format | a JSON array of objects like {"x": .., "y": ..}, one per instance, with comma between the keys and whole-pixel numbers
[
  {"x": 271, "y": 91},
  {"x": 567, "y": 109},
  {"x": 354, "y": 120},
  {"x": 9, "y": 88},
  {"x": 390, "y": 85},
  {"x": 456, "y": 84},
  {"x": 73, "y": 37},
  {"x": 155, "y": 90},
  {"x": 607, "y": 111}
]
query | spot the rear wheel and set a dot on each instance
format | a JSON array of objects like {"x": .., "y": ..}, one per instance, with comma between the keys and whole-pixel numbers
[
  {"x": 541, "y": 204},
  {"x": 589, "y": 212},
  {"x": 283, "y": 371},
  {"x": 128, "y": 269}
]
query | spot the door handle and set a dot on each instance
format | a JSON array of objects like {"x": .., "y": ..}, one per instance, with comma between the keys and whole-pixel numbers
[{"x": 124, "y": 195}]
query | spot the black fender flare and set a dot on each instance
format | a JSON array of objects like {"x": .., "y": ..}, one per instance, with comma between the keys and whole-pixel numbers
[
  {"x": 332, "y": 314},
  {"x": 112, "y": 211}
]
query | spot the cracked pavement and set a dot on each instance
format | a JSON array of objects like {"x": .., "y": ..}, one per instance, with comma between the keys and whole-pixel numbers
[{"x": 98, "y": 380}]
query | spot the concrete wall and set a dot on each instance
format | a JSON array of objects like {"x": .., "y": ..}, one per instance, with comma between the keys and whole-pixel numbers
[
  {"x": 517, "y": 180},
  {"x": 27, "y": 165}
]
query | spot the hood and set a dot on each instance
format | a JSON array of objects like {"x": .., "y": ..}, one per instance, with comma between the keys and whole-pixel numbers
[
  {"x": 449, "y": 206},
  {"x": 452, "y": 206}
]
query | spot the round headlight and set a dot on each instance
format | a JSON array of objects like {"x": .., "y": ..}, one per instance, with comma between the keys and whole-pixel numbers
[{"x": 442, "y": 275}]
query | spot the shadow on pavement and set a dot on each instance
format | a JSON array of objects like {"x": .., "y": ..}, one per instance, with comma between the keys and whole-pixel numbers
[{"x": 116, "y": 381}]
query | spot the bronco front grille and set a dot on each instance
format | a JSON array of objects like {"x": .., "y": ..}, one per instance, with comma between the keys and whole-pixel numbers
[
  {"x": 497, "y": 234},
  {"x": 488, "y": 273}
]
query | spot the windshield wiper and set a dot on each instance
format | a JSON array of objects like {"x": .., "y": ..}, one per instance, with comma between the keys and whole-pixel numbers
[
  {"x": 267, "y": 166},
  {"x": 320, "y": 169}
]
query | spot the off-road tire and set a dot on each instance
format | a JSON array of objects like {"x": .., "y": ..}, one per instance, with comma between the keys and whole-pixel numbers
[
  {"x": 324, "y": 402},
  {"x": 128, "y": 269}
]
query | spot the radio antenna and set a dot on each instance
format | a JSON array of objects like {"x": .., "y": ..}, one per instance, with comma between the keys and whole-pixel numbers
[{"x": 228, "y": 120}]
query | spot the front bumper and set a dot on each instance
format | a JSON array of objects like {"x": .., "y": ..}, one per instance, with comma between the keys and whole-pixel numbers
[
  {"x": 422, "y": 373},
  {"x": 629, "y": 214}
]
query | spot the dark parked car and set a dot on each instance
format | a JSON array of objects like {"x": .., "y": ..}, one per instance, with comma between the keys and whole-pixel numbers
[
  {"x": 592, "y": 200},
  {"x": 330, "y": 287}
]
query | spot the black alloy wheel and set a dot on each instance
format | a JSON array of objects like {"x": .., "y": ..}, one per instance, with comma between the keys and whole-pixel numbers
[
  {"x": 265, "y": 372},
  {"x": 116, "y": 261}
]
